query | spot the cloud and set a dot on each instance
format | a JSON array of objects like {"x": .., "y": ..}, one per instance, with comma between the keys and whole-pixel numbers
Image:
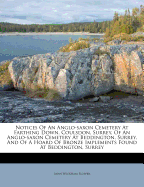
[{"x": 62, "y": 11}]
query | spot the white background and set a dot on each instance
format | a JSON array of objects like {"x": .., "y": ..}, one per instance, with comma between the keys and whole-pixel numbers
[{"x": 136, "y": 129}]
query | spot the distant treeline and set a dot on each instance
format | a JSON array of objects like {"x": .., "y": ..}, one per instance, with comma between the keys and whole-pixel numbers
[
  {"x": 92, "y": 27},
  {"x": 127, "y": 23}
]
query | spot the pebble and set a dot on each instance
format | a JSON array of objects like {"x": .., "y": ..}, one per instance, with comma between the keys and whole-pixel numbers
[{"x": 124, "y": 116}]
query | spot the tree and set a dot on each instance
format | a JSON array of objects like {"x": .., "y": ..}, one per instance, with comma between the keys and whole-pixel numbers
[
  {"x": 107, "y": 33},
  {"x": 135, "y": 12},
  {"x": 116, "y": 28},
  {"x": 116, "y": 17}
]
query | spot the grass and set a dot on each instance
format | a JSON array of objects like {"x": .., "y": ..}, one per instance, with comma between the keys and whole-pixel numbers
[
  {"x": 74, "y": 46},
  {"x": 82, "y": 43},
  {"x": 5, "y": 77},
  {"x": 45, "y": 93},
  {"x": 125, "y": 37}
]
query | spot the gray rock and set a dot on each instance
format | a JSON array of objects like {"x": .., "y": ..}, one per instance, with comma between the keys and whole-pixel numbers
[
  {"x": 102, "y": 75},
  {"x": 114, "y": 42},
  {"x": 39, "y": 119},
  {"x": 105, "y": 98},
  {"x": 77, "y": 74},
  {"x": 138, "y": 34},
  {"x": 94, "y": 99},
  {"x": 16, "y": 108},
  {"x": 129, "y": 71}
]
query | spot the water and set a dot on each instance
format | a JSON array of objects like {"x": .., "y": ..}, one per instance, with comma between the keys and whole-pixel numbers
[{"x": 13, "y": 46}]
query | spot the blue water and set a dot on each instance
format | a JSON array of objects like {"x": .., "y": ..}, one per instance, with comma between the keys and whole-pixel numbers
[{"x": 13, "y": 46}]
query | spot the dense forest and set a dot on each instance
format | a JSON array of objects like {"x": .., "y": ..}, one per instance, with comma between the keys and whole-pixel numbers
[
  {"x": 93, "y": 27},
  {"x": 128, "y": 23}
]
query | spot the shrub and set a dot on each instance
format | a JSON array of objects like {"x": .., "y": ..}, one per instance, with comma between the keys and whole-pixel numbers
[
  {"x": 80, "y": 39},
  {"x": 95, "y": 39},
  {"x": 118, "y": 36},
  {"x": 108, "y": 39},
  {"x": 74, "y": 46},
  {"x": 70, "y": 40},
  {"x": 5, "y": 77},
  {"x": 45, "y": 93},
  {"x": 126, "y": 37},
  {"x": 139, "y": 38}
]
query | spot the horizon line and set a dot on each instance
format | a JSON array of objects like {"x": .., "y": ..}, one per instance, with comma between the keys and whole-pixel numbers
[{"x": 55, "y": 23}]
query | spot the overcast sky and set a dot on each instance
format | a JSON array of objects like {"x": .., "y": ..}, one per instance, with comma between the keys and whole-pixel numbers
[{"x": 62, "y": 11}]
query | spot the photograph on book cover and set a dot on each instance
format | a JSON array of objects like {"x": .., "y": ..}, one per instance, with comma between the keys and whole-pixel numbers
[
  {"x": 78, "y": 175},
  {"x": 69, "y": 62}
]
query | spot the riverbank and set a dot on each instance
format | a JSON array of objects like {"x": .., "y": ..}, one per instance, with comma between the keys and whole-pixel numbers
[{"x": 48, "y": 33}]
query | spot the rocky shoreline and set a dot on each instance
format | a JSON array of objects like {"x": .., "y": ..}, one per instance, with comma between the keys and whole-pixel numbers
[{"x": 15, "y": 107}]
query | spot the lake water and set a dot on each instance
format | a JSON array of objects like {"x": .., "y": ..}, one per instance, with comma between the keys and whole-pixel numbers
[{"x": 13, "y": 46}]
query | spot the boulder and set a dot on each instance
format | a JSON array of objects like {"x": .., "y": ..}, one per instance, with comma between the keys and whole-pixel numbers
[
  {"x": 74, "y": 80},
  {"x": 28, "y": 72},
  {"x": 129, "y": 72},
  {"x": 102, "y": 75},
  {"x": 105, "y": 99},
  {"x": 77, "y": 74},
  {"x": 114, "y": 42}
]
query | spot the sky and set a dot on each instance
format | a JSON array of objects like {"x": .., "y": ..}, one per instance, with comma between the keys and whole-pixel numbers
[{"x": 62, "y": 11}]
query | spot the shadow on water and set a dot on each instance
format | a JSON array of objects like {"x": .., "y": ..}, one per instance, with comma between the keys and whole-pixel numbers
[
  {"x": 13, "y": 89},
  {"x": 114, "y": 94},
  {"x": 118, "y": 94}
]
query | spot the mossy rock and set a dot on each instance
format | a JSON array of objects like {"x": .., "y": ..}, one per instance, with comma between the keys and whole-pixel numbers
[
  {"x": 5, "y": 78},
  {"x": 45, "y": 93}
]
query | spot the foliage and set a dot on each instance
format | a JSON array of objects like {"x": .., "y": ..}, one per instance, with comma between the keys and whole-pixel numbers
[
  {"x": 5, "y": 77},
  {"x": 74, "y": 46},
  {"x": 127, "y": 23},
  {"x": 45, "y": 93},
  {"x": 107, "y": 39},
  {"x": 93, "y": 27}
]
